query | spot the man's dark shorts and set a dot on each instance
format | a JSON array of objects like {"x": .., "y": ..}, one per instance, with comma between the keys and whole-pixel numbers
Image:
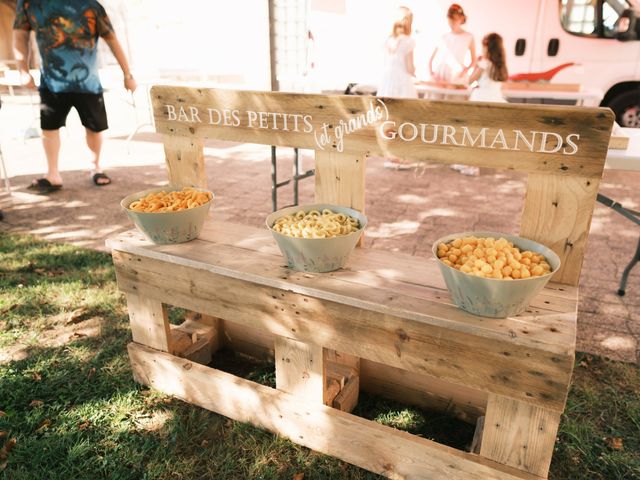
[{"x": 54, "y": 108}]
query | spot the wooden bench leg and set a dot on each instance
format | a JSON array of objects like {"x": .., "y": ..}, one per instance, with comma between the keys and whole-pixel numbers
[
  {"x": 197, "y": 338},
  {"x": 342, "y": 372},
  {"x": 519, "y": 434},
  {"x": 300, "y": 369},
  {"x": 149, "y": 322}
]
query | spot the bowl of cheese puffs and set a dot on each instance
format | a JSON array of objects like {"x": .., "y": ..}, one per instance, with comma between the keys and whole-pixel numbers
[
  {"x": 169, "y": 214},
  {"x": 494, "y": 274},
  {"x": 318, "y": 237}
]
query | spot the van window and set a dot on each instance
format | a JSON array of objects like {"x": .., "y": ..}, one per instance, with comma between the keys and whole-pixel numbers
[{"x": 592, "y": 18}]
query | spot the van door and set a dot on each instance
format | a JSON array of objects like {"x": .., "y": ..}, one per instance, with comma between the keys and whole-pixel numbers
[{"x": 582, "y": 31}]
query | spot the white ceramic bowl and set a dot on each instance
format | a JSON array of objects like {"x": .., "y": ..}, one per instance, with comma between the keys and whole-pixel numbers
[
  {"x": 167, "y": 227},
  {"x": 316, "y": 254},
  {"x": 490, "y": 297}
]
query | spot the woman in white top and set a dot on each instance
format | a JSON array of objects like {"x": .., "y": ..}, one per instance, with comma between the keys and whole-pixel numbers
[
  {"x": 399, "y": 70},
  {"x": 447, "y": 63}
]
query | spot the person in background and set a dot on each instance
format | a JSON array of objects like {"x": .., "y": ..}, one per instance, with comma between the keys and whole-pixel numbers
[
  {"x": 447, "y": 63},
  {"x": 67, "y": 33},
  {"x": 399, "y": 69},
  {"x": 490, "y": 71}
]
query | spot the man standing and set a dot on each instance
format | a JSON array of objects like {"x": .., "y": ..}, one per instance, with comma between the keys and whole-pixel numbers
[{"x": 67, "y": 33}]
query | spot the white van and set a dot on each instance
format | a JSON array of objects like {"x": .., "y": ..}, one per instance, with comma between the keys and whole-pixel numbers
[
  {"x": 539, "y": 35},
  {"x": 601, "y": 36}
]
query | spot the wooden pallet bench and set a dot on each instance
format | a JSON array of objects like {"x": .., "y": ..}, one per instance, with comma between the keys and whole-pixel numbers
[{"x": 386, "y": 323}]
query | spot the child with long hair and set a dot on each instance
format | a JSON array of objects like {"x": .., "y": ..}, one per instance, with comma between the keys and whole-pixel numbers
[
  {"x": 448, "y": 61},
  {"x": 399, "y": 69},
  {"x": 491, "y": 71}
]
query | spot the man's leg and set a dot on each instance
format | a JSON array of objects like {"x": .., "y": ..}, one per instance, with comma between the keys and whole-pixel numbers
[
  {"x": 51, "y": 144},
  {"x": 94, "y": 118}
]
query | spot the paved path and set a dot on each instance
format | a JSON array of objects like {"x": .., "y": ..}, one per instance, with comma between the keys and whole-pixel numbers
[{"x": 408, "y": 210}]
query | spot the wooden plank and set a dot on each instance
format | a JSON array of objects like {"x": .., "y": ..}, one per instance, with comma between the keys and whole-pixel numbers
[
  {"x": 557, "y": 213},
  {"x": 618, "y": 142},
  {"x": 374, "y": 286},
  {"x": 519, "y": 435},
  {"x": 300, "y": 369},
  {"x": 473, "y": 133},
  {"x": 347, "y": 399},
  {"x": 541, "y": 86},
  {"x": 536, "y": 375},
  {"x": 185, "y": 161},
  {"x": 410, "y": 388},
  {"x": 149, "y": 321},
  {"x": 381, "y": 449},
  {"x": 255, "y": 342},
  {"x": 476, "y": 443},
  {"x": 340, "y": 179},
  {"x": 423, "y": 391}
]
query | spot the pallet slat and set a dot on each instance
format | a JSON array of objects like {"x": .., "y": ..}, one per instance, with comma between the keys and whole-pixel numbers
[
  {"x": 533, "y": 375},
  {"x": 378, "y": 448}
]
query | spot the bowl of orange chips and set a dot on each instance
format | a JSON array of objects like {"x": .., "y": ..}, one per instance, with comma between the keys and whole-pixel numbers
[
  {"x": 169, "y": 214},
  {"x": 494, "y": 274}
]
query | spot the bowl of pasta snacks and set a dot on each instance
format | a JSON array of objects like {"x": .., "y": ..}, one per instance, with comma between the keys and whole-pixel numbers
[
  {"x": 169, "y": 214},
  {"x": 316, "y": 238},
  {"x": 493, "y": 274}
]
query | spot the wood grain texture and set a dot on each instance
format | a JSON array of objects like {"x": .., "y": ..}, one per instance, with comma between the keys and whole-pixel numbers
[
  {"x": 300, "y": 369},
  {"x": 382, "y": 281},
  {"x": 340, "y": 179},
  {"x": 537, "y": 373},
  {"x": 326, "y": 112},
  {"x": 185, "y": 161},
  {"x": 557, "y": 213},
  {"x": 384, "y": 450},
  {"x": 519, "y": 435},
  {"x": 149, "y": 321}
]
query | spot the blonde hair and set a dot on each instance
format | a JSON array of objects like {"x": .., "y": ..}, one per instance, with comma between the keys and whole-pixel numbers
[{"x": 402, "y": 24}]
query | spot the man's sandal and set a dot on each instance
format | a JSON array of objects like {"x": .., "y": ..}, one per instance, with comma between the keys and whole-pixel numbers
[
  {"x": 42, "y": 185},
  {"x": 100, "y": 179}
]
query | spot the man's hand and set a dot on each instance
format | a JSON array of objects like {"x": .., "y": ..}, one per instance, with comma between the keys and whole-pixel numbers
[
  {"x": 26, "y": 80},
  {"x": 130, "y": 84}
]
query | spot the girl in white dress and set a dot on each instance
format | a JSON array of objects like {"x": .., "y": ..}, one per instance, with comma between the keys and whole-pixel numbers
[
  {"x": 399, "y": 70},
  {"x": 491, "y": 71},
  {"x": 448, "y": 61}
]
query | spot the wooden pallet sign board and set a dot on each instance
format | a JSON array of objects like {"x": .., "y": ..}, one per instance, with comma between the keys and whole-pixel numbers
[
  {"x": 530, "y": 138},
  {"x": 386, "y": 323}
]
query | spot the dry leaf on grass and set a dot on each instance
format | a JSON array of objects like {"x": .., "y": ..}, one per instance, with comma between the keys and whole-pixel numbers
[
  {"x": 84, "y": 425},
  {"x": 4, "y": 451},
  {"x": 45, "y": 424},
  {"x": 2, "y": 414},
  {"x": 36, "y": 376},
  {"x": 36, "y": 403},
  {"x": 614, "y": 442},
  {"x": 298, "y": 476},
  {"x": 3, "y": 434},
  {"x": 91, "y": 372},
  {"x": 76, "y": 316}
]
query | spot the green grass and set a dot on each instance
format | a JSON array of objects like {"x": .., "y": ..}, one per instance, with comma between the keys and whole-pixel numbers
[{"x": 91, "y": 421}]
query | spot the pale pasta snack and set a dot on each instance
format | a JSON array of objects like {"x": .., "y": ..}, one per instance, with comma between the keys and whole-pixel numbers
[
  {"x": 316, "y": 224},
  {"x": 162, "y": 202},
  {"x": 492, "y": 258}
]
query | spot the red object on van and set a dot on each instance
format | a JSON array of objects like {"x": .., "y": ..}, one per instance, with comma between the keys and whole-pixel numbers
[{"x": 539, "y": 76}]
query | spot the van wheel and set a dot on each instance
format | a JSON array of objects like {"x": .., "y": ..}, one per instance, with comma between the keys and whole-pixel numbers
[{"x": 626, "y": 106}]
